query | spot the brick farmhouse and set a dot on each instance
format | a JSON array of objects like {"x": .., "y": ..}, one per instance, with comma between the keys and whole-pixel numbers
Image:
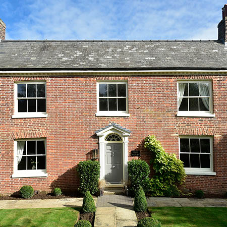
[{"x": 62, "y": 102}]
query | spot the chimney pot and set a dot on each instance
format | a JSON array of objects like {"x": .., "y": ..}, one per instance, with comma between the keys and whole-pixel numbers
[{"x": 2, "y": 30}]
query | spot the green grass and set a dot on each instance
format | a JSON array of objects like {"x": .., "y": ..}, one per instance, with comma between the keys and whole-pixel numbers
[
  {"x": 46, "y": 217},
  {"x": 191, "y": 216}
]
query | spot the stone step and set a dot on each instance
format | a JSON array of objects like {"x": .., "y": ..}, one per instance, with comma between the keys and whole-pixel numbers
[{"x": 113, "y": 190}]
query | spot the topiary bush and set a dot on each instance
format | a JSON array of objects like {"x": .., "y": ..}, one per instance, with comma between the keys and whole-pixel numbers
[
  {"x": 89, "y": 176},
  {"x": 169, "y": 170},
  {"x": 138, "y": 174},
  {"x": 83, "y": 223},
  {"x": 199, "y": 194},
  {"x": 26, "y": 191},
  {"x": 149, "y": 222},
  {"x": 88, "y": 203},
  {"x": 140, "y": 202},
  {"x": 57, "y": 191}
]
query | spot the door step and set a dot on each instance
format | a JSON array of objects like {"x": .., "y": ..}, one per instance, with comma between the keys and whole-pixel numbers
[{"x": 114, "y": 190}]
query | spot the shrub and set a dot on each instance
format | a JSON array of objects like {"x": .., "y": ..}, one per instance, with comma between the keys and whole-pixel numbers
[
  {"x": 138, "y": 173},
  {"x": 199, "y": 194},
  {"x": 149, "y": 222},
  {"x": 27, "y": 191},
  {"x": 169, "y": 171},
  {"x": 140, "y": 202},
  {"x": 172, "y": 191},
  {"x": 83, "y": 223},
  {"x": 89, "y": 176},
  {"x": 88, "y": 203},
  {"x": 57, "y": 191}
]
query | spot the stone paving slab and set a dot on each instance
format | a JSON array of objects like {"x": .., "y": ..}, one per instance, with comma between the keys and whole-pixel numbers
[
  {"x": 105, "y": 216},
  {"x": 114, "y": 201},
  {"x": 125, "y": 217},
  {"x": 115, "y": 217},
  {"x": 118, "y": 207},
  {"x": 41, "y": 203},
  {"x": 185, "y": 202}
]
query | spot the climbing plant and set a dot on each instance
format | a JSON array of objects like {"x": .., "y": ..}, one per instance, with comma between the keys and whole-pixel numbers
[{"x": 169, "y": 170}]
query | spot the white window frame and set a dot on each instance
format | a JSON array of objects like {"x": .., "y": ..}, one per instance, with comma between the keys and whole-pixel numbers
[
  {"x": 200, "y": 171},
  {"x": 28, "y": 173},
  {"x": 196, "y": 113},
  {"x": 26, "y": 114},
  {"x": 112, "y": 113}
]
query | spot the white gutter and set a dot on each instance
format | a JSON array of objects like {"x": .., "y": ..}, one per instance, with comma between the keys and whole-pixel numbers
[{"x": 111, "y": 72}]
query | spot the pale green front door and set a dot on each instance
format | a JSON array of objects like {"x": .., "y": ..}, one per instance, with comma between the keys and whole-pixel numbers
[{"x": 114, "y": 163}]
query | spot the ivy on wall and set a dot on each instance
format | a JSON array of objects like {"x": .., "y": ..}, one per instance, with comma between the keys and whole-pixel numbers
[{"x": 169, "y": 170}]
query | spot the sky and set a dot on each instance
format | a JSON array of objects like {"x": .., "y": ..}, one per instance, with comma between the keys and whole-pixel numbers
[{"x": 111, "y": 19}]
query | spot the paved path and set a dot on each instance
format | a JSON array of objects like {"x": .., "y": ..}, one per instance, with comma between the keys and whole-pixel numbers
[
  {"x": 41, "y": 203},
  {"x": 185, "y": 202},
  {"x": 115, "y": 210}
]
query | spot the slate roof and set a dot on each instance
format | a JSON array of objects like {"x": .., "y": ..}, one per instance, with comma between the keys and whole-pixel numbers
[
  {"x": 115, "y": 126},
  {"x": 106, "y": 55}
]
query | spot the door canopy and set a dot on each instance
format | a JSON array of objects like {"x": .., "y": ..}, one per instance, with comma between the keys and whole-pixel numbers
[{"x": 113, "y": 128}]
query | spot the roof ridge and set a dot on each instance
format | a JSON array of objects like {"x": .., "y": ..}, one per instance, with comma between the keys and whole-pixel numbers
[{"x": 109, "y": 41}]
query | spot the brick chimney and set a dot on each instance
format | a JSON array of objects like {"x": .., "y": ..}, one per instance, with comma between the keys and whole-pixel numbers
[
  {"x": 2, "y": 30},
  {"x": 222, "y": 26}
]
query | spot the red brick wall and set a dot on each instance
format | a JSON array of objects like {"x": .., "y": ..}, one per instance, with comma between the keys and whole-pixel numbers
[{"x": 71, "y": 123}]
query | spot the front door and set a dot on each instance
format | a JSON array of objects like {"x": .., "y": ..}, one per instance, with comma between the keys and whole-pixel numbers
[{"x": 114, "y": 163}]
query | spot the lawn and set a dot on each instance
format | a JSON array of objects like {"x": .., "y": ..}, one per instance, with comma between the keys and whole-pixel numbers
[
  {"x": 46, "y": 217},
  {"x": 190, "y": 216}
]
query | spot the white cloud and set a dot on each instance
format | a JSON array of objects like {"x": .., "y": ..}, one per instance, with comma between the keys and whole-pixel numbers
[
  {"x": 209, "y": 33},
  {"x": 117, "y": 19}
]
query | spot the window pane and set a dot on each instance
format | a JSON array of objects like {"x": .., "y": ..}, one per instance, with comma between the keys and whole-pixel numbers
[
  {"x": 21, "y": 163},
  {"x": 41, "y": 162},
  {"x": 204, "y": 89},
  {"x": 31, "y": 105},
  {"x": 193, "y": 104},
  {"x": 122, "y": 104},
  {"x": 31, "y": 147},
  {"x": 184, "y": 145},
  {"x": 204, "y": 104},
  {"x": 183, "y": 89},
  {"x": 21, "y": 90},
  {"x": 41, "y": 105},
  {"x": 103, "y": 105},
  {"x": 195, "y": 145},
  {"x": 31, "y": 90},
  {"x": 184, "y": 105},
  {"x": 205, "y": 145},
  {"x": 194, "y": 158},
  {"x": 185, "y": 158},
  {"x": 21, "y": 148},
  {"x": 40, "y": 90},
  {"x": 205, "y": 160},
  {"x": 31, "y": 162},
  {"x": 40, "y": 147},
  {"x": 121, "y": 90},
  {"x": 102, "y": 90},
  {"x": 112, "y": 90},
  {"x": 22, "y": 105},
  {"x": 112, "y": 104},
  {"x": 193, "y": 89}
]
